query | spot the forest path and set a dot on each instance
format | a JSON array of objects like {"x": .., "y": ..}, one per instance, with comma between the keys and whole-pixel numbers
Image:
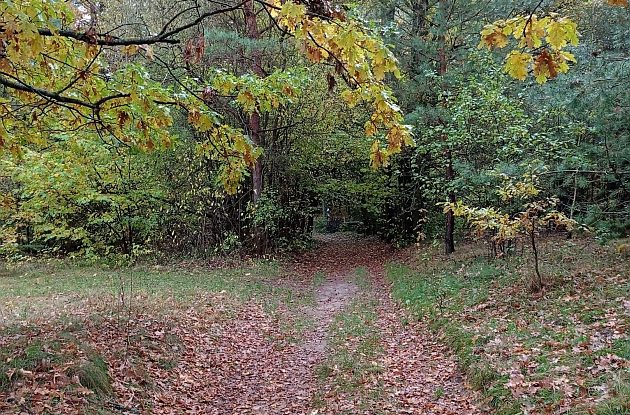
[
  {"x": 372, "y": 363},
  {"x": 323, "y": 337}
]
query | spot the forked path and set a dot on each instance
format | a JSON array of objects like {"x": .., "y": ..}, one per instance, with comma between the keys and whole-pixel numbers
[
  {"x": 244, "y": 365},
  {"x": 419, "y": 375}
]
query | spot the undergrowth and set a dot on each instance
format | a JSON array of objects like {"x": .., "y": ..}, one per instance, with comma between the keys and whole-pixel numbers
[{"x": 563, "y": 350}]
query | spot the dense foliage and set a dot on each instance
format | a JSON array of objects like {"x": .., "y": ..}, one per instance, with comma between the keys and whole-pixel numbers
[{"x": 216, "y": 127}]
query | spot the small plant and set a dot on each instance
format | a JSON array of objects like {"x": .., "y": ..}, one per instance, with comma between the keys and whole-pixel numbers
[
  {"x": 92, "y": 373},
  {"x": 439, "y": 392},
  {"x": 623, "y": 249},
  {"x": 502, "y": 229},
  {"x": 230, "y": 243}
]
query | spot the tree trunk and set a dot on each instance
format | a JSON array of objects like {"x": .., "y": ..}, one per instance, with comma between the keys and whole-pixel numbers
[
  {"x": 254, "y": 124},
  {"x": 449, "y": 240},
  {"x": 538, "y": 283},
  {"x": 419, "y": 9}
]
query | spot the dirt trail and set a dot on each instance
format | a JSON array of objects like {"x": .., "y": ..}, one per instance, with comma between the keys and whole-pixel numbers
[
  {"x": 330, "y": 298},
  {"x": 420, "y": 376},
  {"x": 334, "y": 260},
  {"x": 219, "y": 356}
]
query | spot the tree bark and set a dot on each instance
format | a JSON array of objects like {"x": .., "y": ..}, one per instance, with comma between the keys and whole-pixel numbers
[
  {"x": 449, "y": 231},
  {"x": 449, "y": 239},
  {"x": 254, "y": 122},
  {"x": 538, "y": 283},
  {"x": 419, "y": 9},
  {"x": 259, "y": 237}
]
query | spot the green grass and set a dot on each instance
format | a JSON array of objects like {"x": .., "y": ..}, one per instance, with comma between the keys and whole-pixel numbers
[
  {"x": 92, "y": 374},
  {"x": 354, "y": 345},
  {"x": 439, "y": 392},
  {"x": 361, "y": 278},
  {"x": 35, "y": 289},
  {"x": 619, "y": 403},
  {"x": 42, "y": 280},
  {"x": 318, "y": 279},
  {"x": 483, "y": 310}
]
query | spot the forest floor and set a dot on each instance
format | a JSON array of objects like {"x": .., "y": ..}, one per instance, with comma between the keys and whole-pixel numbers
[{"x": 320, "y": 333}]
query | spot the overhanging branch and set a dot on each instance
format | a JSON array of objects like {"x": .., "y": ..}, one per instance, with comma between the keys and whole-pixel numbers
[{"x": 164, "y": 36}]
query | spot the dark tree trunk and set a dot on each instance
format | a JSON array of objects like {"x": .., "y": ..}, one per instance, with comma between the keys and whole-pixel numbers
[
  {"x": 538, "y": 283},
  {"x": 419, "y": 9},
  {"x": 254, "y": 123},
  {"x": 449, "y": 240}
]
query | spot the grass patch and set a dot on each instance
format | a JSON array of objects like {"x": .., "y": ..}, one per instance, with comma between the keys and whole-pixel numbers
[
  {"x": 37, "y": 290},
  {"x": 93, "y": 374},
  {"x": 354, "y": 344},
  {"x": 44, "y": 280},
  {"x": 24, "y": 358},
  {"x": 620, "y": 391},
  {"x": 318, "y": 279},
  {"x": 361, "y": 278},
  {"x": 484, "y": 312}
]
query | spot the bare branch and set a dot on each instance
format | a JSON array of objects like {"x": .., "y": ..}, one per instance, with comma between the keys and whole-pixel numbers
[{"x": 163, "y": 37}]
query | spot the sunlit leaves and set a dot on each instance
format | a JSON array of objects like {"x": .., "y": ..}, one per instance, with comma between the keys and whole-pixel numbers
[
  {"x": 234, "y": 150},
  {"x": 541, "y": 43},
  {"x": 363, "y": 60},
  {"x": 63, "y": 200},
  {"x": 501, "y": 227},
  {"x": 85, "y": 98},
  {"x": 255, "y": 94},
  {"x": 519, "y": 190},
  {"x": 561, "y": 32},
  {"x": 72, "y": 70},
  {"x": 493, "y": 36},
  {"x": 130, "y": 50},
  {"x": 517, "y": 64}
]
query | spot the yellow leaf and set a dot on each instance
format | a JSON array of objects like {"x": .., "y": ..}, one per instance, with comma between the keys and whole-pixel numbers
[
  {"x": 541, "y": 78},
  {"x": 247, "y": 100},
  {"x": 378, "y": 156},
  {"x": 517, "y": 64},
  {"x": 370, "y": 129},
  {"x": 570, "y": 28},
  {"x": 493, "y": 36},
  {"x": 568, "y": 56},
  {"x": 130, "y": 50},
  {"x": 622, "y": 3},
  {"x": 556, "y": 35},
  {"x": 149, "y": 53}
]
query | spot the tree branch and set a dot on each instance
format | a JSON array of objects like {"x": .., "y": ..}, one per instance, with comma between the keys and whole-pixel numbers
[
  {"x": 163, "y": 37},
  {"x": 43, "y": 92}
]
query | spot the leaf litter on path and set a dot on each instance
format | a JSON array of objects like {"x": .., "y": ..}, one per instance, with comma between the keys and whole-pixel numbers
[{"x": 244, "y": 359}]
